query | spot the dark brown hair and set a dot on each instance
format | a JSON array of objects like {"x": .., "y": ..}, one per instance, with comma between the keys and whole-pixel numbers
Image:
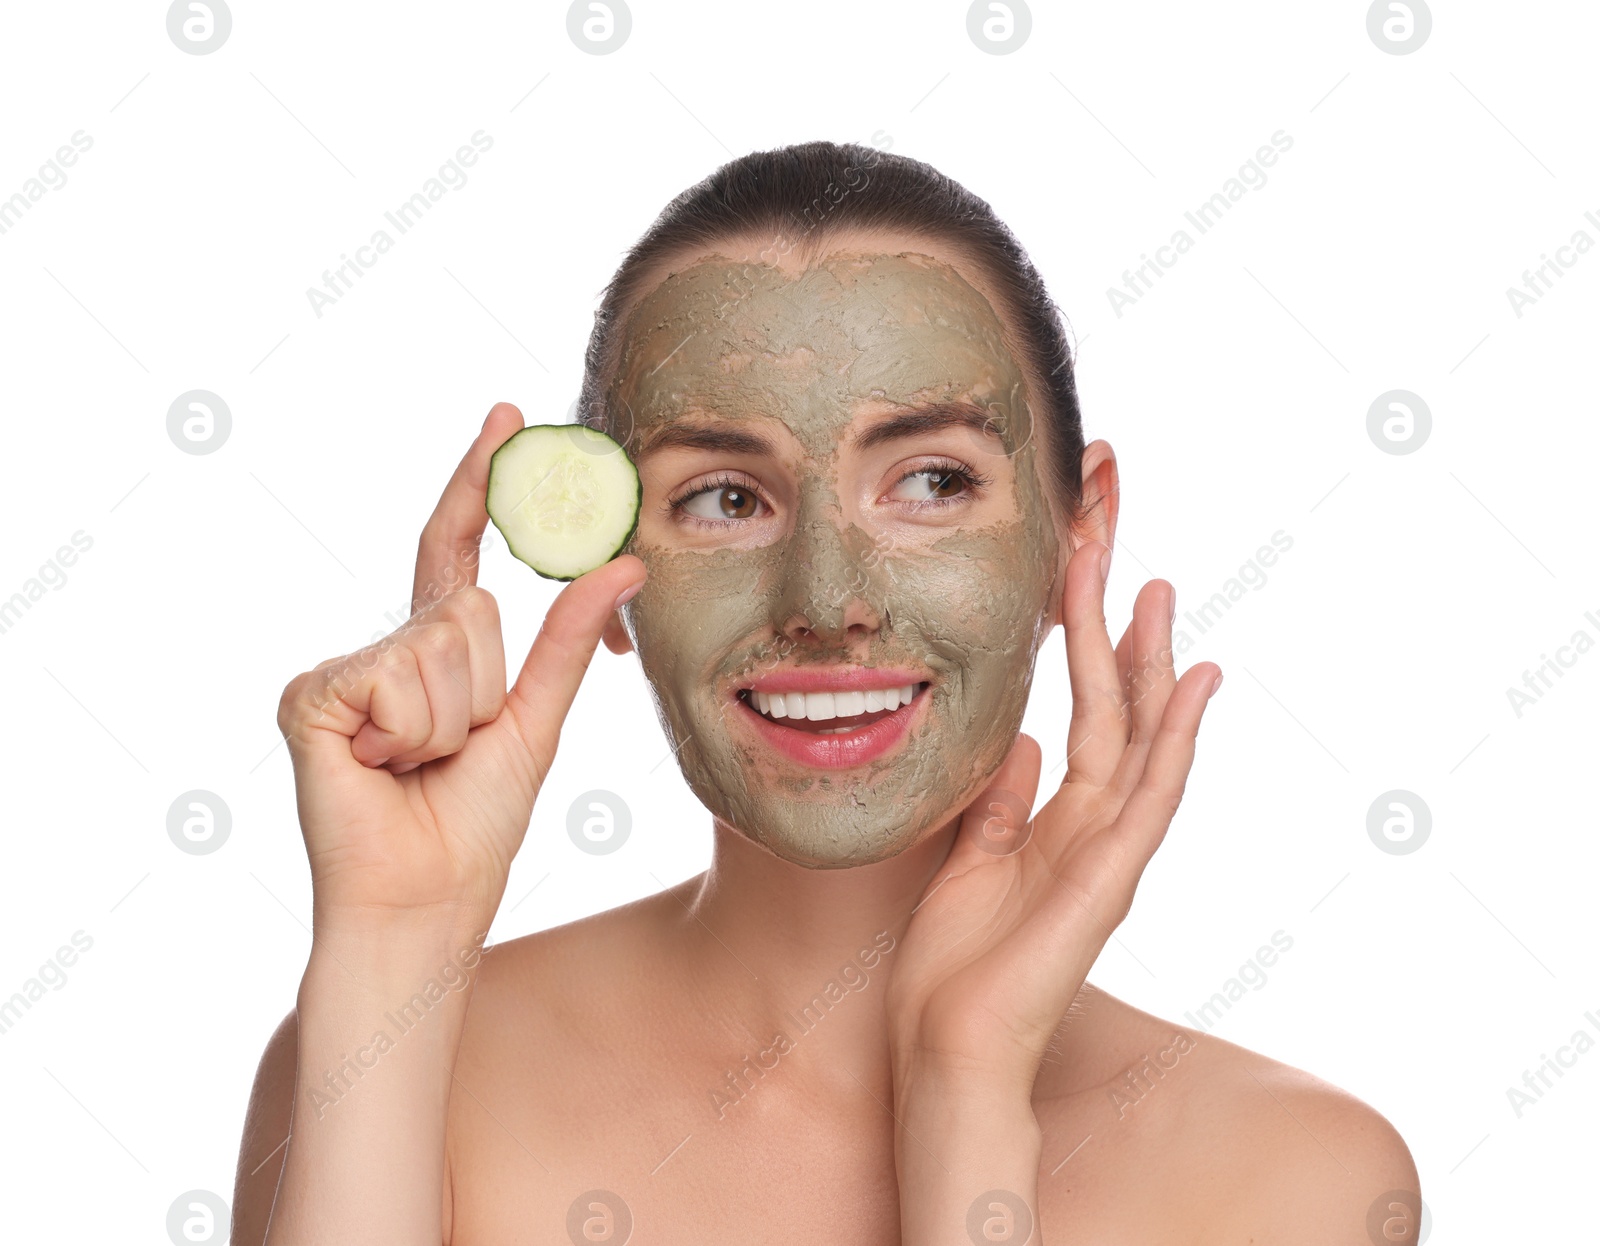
[{"x": 797, "y": 198}]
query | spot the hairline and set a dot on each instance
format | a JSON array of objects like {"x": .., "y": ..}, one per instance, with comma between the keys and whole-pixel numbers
[{"x": 811, "y": 250}]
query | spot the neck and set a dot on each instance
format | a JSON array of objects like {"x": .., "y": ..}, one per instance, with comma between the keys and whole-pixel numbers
[{"x": 778, "y": 948}]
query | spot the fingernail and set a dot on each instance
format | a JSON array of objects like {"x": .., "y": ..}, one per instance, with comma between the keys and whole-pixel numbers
[
  {"x": 1105, "y": 565},
  {"x": 1216, "y": 683},
  {"x": 628, "y": 595},
  {"x": 1173, "y": 613},
  {"x": 383, "y": 762}
]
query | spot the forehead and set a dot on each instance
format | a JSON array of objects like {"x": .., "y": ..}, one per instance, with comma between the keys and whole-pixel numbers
[{"x": 813, "y": 345}]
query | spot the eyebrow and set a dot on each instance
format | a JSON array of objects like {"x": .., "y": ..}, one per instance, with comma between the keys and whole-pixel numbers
[
  {"x": 929, "y": 419},
  {"x": 731, "y": 439}
]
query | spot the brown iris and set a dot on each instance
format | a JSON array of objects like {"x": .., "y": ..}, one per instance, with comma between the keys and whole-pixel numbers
[{"x": 740, "y": 509}]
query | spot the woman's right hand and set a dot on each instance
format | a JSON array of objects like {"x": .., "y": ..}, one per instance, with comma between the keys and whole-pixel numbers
[{"x": 415, "y": 769}]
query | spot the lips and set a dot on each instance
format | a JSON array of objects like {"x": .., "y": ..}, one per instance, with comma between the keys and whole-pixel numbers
[{"x": 868, "y": 737}]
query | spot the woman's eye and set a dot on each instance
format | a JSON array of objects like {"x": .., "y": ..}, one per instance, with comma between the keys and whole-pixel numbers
[
  {"x": 719, "y": 502},
  {"x": 726, "y": 501},
  {"x": 937, "y": 485}
]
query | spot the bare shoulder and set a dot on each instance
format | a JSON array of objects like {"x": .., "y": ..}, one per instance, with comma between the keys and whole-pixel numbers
[
  {"x": 1248, "y": 1147},
  {"x": 556, "y": 1012},
  {"x": 573, "y": 975},
  {"x": 548, "y": 1011},
  {"x": 1314, "y": 1163}
]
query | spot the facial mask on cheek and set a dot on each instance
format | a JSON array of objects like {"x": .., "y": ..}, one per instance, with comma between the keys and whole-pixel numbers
[{"x": 968, "y": 606}]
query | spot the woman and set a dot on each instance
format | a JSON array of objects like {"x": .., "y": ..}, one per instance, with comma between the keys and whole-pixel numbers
[{"x": 853, "y": 411}]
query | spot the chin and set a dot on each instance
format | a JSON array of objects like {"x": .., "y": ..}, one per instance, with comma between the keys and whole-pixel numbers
[
  {"x": 824, "y": 819},
  {"x": 812, "y": 848}
]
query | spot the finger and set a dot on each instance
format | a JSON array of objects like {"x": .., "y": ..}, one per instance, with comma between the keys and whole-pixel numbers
[
  {"x": 1144, "y": 663},
  {"x": 475, "y": 611},
  {"x": 1149, "y": 809},
  {"x": 395, "y": 703},
  {"x": 1125, "y": 661},
  {"x": 1150, "y": 676},
  {"x": 999, "y": 822},
  {"x": 441, "y": 653},
  {"x": 447, "y": 552},
  {"x": 1099, "y": 729},
  {"x": 548, "y": 680},
  {"x": 1151, "y": 680}
]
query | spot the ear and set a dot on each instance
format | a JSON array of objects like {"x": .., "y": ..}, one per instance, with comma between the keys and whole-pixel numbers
[
  {"x": 615, "y": 635},
  {"x": 1101, "y": 493}
]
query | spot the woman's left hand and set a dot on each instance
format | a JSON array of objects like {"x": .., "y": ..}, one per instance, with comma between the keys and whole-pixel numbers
[{"x": 1008, "y": 928}]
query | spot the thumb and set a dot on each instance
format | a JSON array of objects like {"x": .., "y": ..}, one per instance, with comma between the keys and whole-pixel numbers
[
  {"x": 997, "y": 823},
  {"x": 548, "y": 682}
]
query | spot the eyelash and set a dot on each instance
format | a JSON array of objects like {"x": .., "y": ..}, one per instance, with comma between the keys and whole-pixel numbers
[{"x": 974, "y": 481}]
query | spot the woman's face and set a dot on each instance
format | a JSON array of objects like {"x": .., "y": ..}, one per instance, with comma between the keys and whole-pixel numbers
[{"x": 841, "y": 474}]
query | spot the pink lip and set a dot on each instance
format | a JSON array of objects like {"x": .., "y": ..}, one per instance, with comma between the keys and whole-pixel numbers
[
  {"x": 837, "y": 679},
  {"x": 837, "y": 752}
]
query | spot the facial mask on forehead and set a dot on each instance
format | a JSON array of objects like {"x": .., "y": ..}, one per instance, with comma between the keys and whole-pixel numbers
[{"x": 964, "y": 601}]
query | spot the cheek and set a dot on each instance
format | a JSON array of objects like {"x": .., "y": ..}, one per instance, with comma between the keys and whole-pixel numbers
[
  {"x": 1001, "y": 627},
  {"x": 694, "y": 610},
  {"x": 980, "y": 583}
]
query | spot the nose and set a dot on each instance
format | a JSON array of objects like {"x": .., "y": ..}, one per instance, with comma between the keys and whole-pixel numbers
[{"x": 831, "y": 582}]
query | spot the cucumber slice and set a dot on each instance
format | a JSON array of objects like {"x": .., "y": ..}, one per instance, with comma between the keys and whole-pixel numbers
[{"x": 565, "y": 497}]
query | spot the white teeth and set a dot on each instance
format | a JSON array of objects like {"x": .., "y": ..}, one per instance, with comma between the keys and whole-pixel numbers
[
  {"x": 821, "y": 706},
  {"x": 849, "y": 704}
]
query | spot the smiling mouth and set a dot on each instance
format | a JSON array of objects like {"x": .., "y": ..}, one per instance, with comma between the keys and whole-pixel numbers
[{"x": 831, "y": 713}]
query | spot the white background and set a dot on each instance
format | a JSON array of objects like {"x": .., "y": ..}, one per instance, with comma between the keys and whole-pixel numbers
[{"x": 1377, "y": 655}]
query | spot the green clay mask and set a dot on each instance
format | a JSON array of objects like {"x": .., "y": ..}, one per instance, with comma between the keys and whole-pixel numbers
[{"x": 837, "y": 569}]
